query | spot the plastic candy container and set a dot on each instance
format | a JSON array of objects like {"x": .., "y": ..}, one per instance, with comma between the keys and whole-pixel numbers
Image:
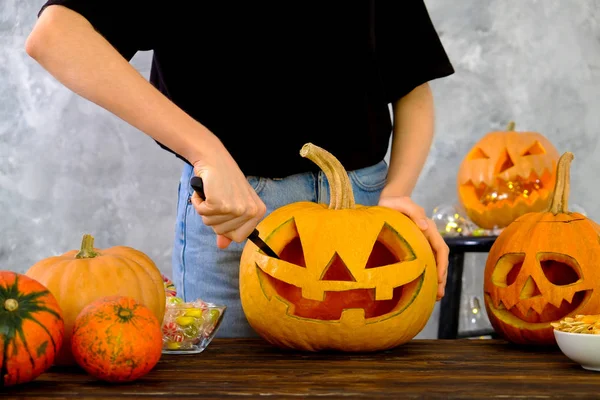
[{"x": 188, "y": 328}]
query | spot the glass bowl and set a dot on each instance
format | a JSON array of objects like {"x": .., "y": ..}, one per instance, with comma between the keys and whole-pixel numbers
[{"x": 188, "y": 328}]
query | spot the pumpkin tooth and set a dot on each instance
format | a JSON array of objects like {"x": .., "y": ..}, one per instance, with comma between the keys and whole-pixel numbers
[
  {"x": 569, "y": 297},
  {"x": 509, "y": 303},
  {"x": 313, "y": 293},
  {"x": 522, "y": 308},
  {"x": 352, "y": 315},
  {"x": 384, "y": 292},
  {"x": 500, "y": 305},
  {"x": 538, "y": 307}
]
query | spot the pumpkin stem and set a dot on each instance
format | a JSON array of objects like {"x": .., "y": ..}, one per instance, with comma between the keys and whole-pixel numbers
[
  {"x": 125, "y": 314},
  {"x": 511, "y": 126},
  {"x": 11, "y": 305},
  {"x": 87, "y": 247},
  {"x": 560, "y": 197},
  {"x": 340, "y": 188}
]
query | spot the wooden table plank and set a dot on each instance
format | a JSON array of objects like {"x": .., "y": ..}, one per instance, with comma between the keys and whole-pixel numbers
[{"x": 230, "y": 368}]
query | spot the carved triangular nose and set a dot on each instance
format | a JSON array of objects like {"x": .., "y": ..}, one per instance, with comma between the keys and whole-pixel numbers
[
  {"x": 507, "y": 162},
  {"x": 530, "y": 289},
  {"x": 337, "y": 271}
]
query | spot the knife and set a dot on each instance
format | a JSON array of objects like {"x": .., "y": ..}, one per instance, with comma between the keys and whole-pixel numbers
[{"x": 198, "y": 186}]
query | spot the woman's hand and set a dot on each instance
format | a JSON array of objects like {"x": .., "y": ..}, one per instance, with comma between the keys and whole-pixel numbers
[
  {"x": 232, "y": 207},
  {"x": 406, "y": 206}
]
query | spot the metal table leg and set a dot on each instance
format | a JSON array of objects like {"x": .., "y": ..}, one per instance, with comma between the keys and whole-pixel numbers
[{"x": 450, "y": 303}]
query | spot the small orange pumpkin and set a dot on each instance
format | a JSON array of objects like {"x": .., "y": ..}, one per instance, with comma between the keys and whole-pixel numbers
[
  {"x": 505, "y": 175},
  {"x": 350, "y": 277},
  {"x": 542, "y": 268},
  {"x": 117, "y": 339},
  {"x": 79, "y": 277},
  {"x": 31, "y": 328}
]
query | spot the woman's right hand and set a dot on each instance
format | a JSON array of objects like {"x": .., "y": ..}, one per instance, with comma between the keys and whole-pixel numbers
[{"x": 232, "y": 208}]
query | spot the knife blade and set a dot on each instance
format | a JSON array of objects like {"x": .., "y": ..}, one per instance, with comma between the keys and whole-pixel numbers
[{"x": 198, "y": 186}]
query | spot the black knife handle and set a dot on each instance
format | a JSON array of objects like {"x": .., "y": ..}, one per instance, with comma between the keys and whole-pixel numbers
[{"x": 198, "y": 186}]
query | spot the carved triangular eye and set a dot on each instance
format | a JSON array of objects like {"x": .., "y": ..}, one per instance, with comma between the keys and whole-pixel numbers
[
  {"x": 535, "y": 149},
  {"x": 293, "y": 252},
  {"x": 477, "y": 154},
  {"x": 389, "y": 248}
]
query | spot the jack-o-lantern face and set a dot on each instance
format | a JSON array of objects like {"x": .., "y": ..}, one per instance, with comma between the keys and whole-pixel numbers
[
  {"x": 377, "y": 279},
  {"x": 542, "y": 269},
  {"x": 352, "y": 278},
  {"x": 505, "y": 175}
]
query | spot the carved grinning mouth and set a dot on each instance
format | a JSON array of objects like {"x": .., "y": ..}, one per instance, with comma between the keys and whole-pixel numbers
[
  {"x": 334, "y": 304},
  {"x": 510, "y": 185},
  {"x": 329, "y": 305},
  {"x": 509, "y": 192},
  {"x": 528, "y": 311}
]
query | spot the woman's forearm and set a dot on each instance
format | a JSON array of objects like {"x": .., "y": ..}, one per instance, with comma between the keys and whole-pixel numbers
[
  {"x": 68, "y": 47},
  {"x": 411, "y": 142}
]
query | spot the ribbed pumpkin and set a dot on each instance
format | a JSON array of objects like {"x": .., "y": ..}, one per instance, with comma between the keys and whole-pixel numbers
[
  {"x": 350, "y": 277},
  {"x": 505, "y": 175},
  {"x": 542, "y": 268},
  {"x": 79, "y": 277},
  {"x": 31, "y": 328},
  {"x": 117, "y": 339}
]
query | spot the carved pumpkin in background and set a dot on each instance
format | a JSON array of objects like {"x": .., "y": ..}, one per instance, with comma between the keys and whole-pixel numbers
[
  {"x": 505, "y": 175},
  {"x": 542, "y": 268},
  {"x": 350, "y": 277}
]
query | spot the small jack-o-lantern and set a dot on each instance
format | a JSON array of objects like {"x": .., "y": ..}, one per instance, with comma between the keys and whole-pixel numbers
[
  {"x": 505, "y": 175},
  {"x": 350, "y": 277},
  {"x": 542, "y": 268}
]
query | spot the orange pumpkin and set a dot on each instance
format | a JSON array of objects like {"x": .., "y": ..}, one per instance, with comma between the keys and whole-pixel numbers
[
  {"x": 117, "y": 339},
  {"x": 31, "y": 328},
  {"x": 505, "y": 175},
  {"x": 542, "y": 268},
  {"x": 79, "y": 277},
  {"x": 350, "y": 277}
]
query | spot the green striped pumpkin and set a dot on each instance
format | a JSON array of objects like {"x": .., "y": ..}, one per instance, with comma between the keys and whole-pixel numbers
[{"x": 31, "y": 328}]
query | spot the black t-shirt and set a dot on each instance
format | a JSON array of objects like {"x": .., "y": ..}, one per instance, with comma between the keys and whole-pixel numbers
[{"x": 268, "y": 76}]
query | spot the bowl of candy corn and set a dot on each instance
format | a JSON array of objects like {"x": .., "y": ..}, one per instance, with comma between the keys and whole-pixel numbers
[{"x": 188, "y": 327}]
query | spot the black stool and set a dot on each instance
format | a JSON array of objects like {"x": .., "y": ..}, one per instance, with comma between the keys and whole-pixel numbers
[{"x": 450, "y": 303}]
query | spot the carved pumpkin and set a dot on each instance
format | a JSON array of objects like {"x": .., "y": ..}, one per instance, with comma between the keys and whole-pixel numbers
[
  {"x": 79, "y": 277},
  {"x": 542, "y": 268},
  {"x": 350, "y": 277},
  {"x": 505, "y": 175},
  {"x": 117, "y": 339},
  {"x": 31, "y": 328}
]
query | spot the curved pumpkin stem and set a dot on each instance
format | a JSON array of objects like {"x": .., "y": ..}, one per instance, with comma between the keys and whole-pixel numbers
[
  {"x": 87, "y": 247},
  {"x": 511, "y": 126},
  {"x": 340, "y": 188},
  {"x": 560, "y": 197},
  {"x": 11, "y": 305}
]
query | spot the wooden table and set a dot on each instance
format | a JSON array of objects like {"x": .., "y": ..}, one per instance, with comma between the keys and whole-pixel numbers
[{"x": 251, "y": 368}]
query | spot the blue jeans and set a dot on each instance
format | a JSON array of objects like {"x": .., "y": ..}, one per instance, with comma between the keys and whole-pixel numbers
[{"x": 201, "y": 270}]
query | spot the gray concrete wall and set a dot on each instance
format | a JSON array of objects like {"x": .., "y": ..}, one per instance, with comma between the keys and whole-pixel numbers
[{"x": 68, "y": 167}]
